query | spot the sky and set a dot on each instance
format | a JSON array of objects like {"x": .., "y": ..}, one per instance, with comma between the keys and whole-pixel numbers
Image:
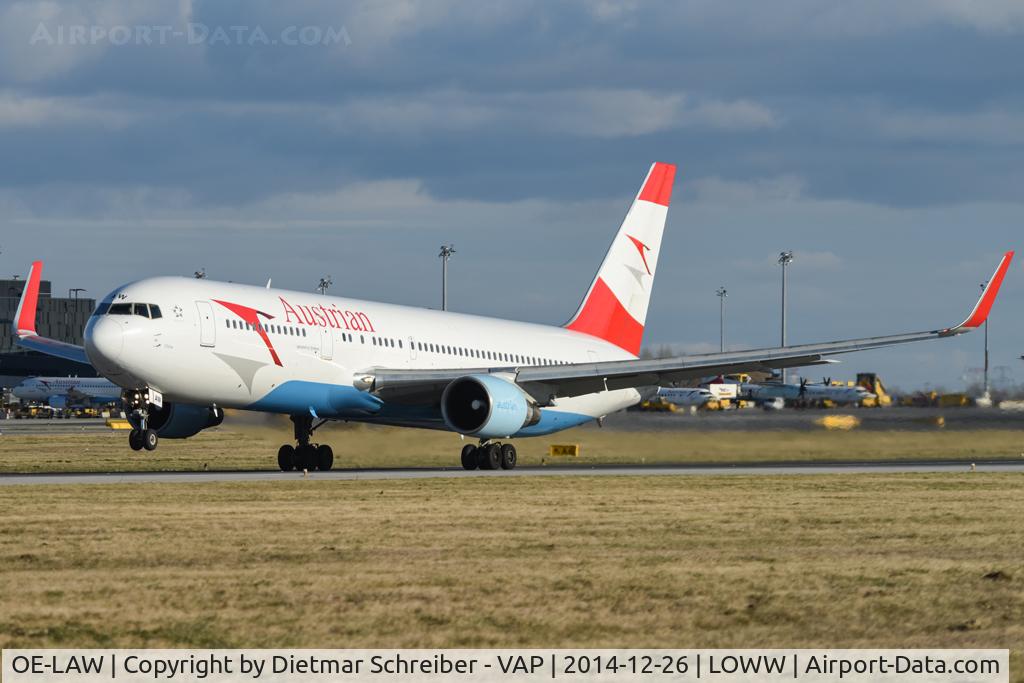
[{"x": 880, "y": 142}]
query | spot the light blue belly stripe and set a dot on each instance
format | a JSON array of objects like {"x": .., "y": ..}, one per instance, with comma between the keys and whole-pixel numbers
[
  {"x": 337, "y": 401},
  {"x": 326, "y": 400}
]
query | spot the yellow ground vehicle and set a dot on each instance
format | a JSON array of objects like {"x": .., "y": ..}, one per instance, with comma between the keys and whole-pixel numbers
[
  {"x": 873, "y": 383},
  {"x": 658, "y": 404}
]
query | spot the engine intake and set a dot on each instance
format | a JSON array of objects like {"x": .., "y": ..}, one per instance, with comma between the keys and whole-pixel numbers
[
  {"x": 182, "y": 420},
  {"x": 487, "y": 406}
]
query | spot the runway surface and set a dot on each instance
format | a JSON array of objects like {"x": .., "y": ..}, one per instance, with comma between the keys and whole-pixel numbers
[{"x": 852, "y": 467}]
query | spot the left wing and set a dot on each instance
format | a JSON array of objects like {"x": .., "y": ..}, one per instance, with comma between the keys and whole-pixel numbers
[
  {"x": 25, "y": 323},
  {"x": 546, "y": 383}
]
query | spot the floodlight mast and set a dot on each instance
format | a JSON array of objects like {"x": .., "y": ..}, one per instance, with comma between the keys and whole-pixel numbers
[
  {"x": 721, "y": 293},
  {"x": 986, "y": 393},
  {"x": 446, "y": 253},
  {"x": 785, "y": 258}
]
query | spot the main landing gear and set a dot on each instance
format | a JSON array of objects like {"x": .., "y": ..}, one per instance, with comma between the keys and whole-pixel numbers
[
  {"x": 489, "y": 456},
  {"x": 305, "y": 455}
]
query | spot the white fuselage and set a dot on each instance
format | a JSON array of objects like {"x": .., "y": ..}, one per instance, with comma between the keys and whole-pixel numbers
[
  {"x": 811, "y": 392},
  {"x": 238, "y": 346},
  {"x": 685, "y": 397},
  {"x": 46, "y": 388}
]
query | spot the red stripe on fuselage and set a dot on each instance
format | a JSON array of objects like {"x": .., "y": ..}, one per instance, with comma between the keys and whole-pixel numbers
[
  {"x": 658, "y": 188},
  {"x": 603, "y": 316},
  {"x": 251, "y": 316}
]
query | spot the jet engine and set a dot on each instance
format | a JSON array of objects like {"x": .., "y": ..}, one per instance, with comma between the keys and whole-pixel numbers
[
  {"x": 182, "y": 420},
  {"x": 487, "y": 406}
]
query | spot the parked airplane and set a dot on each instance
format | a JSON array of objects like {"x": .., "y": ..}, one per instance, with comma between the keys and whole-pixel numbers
[
  {"x": 773, "y": 392},
  {"x": 685, "y": 397},
  {"x": 184, "y": 349},
  {"x": 60, "y": 390},
  {"x": 805, "y": 391}
]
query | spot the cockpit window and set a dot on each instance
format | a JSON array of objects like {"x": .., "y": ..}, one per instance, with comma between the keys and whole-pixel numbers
[
  {"x": 102, "y": 308},
  {"x": 145, "y": 310}
]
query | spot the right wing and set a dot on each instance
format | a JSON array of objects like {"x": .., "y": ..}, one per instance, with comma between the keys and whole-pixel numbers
[
  {"x": 547, "y": 383},
  {"x": 25, "y": 323}
]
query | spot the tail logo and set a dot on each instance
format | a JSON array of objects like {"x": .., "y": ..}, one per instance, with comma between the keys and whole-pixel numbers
[
  {"x": 643, "y": 249},
  {"x": 251, "y": 316}
]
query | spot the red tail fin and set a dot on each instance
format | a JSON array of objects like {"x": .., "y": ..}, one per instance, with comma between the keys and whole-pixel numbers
[{"x": 615, "y": 307}]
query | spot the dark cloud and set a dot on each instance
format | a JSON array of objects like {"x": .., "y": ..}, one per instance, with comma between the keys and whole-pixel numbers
[{"x": 886, "y": 137}]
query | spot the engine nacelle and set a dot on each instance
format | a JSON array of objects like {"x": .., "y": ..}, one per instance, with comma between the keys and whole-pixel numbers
[
  {"x": 182, "y": 420},
  {"x": 487, "y": 406}
]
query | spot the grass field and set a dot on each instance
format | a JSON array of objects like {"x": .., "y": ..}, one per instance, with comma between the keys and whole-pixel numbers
[
  {"x": 255, "y": 447},
  {"x": 823, "y": 560}
]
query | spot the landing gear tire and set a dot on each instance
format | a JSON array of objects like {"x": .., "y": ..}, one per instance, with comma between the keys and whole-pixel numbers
[
  {"x": 508, "y": 456},
  {"x": 150, "y": 440},
  {"x": 324, "y": 458},
  {"x": 469, "y": 457},
  {"x": 489, "y": 457},
  {"x": 135, "y": 440},
  {"x": 305, "y": 458},
  {"x": 286, "y": 458}
]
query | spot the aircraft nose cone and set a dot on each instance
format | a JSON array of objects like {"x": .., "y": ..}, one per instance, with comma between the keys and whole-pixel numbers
[{"x": 104, "y": 342}]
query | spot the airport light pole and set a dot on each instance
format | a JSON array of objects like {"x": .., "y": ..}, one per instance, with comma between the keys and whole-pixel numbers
[
  {"x": 200, "y": 274},
  {"x": 446, "y": 253},
  {"x": 785, "y": 258},
  {"x": 986, "y": 394},
  {"x": 325, "y": 284},
  {"x": 721, "y": 293}
]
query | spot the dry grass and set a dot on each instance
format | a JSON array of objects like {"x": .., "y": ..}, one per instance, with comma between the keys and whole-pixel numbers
[
  {"x": 850, "y": 561},
  {"x": 255, "y": 447}
]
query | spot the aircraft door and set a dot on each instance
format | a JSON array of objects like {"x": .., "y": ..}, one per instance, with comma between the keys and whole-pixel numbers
[
  {"x": 207, "y": 324},
  {"x": 326, "y": 343}
]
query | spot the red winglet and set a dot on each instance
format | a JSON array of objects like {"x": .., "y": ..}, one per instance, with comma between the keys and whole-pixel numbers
[
  {"x": 658, "y": 188},
  {"x": 25, "y": 318},
  {"x": 981, "y": 310}
]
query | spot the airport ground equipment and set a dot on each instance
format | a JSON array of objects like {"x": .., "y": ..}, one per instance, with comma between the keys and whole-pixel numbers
[{"x": 873, "y": 383}]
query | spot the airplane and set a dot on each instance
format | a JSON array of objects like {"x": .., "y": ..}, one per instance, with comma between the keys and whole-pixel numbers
[
  {"x": 772, "y": 392},
  {"x": 686, "y": 397},
  {"x": 59, "y": 390},
  {"x": 184, "y": 349}
]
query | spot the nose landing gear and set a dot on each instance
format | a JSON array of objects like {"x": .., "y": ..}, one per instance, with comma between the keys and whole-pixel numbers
[
  {"x": 136, "y": 404},
  {"x": 143, "y": 438},
  {"x": 489, "y": 456},
  {"x": 305, "y": 455}
]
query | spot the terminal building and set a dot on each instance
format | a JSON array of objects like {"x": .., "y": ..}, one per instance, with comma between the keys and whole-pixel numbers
[{"x": 57, "y": 317}]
